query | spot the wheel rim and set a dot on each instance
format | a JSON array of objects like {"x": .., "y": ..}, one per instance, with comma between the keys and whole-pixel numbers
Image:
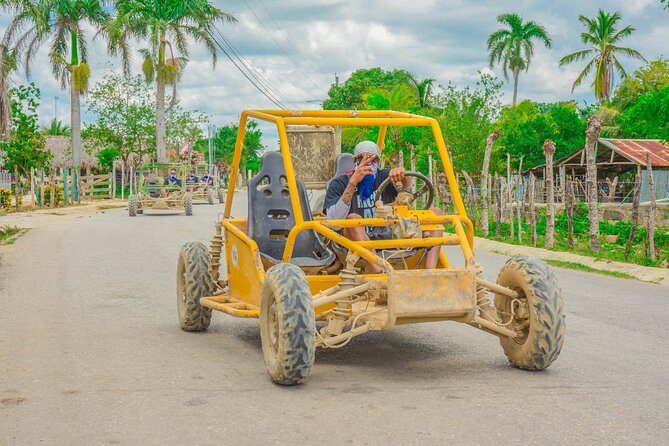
[{"x": 273, "y": 329}]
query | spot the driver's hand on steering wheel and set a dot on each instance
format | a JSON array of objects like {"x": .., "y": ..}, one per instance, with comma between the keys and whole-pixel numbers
[{"x": 397, "y": 174}]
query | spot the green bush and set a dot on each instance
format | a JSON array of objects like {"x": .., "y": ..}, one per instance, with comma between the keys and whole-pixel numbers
[
  {"x": 6, "y": 198},
  {"x": 58, "y": 197}
]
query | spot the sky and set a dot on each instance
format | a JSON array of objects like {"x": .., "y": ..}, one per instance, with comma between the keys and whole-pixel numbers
[{"x": 297, "y": 46}]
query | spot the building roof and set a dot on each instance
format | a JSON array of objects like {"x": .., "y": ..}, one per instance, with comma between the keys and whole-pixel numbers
[
  {"x": 635, "y": 150},
  {"x": 615, "y": 156},
  {"x": 61, "y": 148}
]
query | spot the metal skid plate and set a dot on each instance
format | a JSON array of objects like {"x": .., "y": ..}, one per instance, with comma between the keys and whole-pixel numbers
[{"x": 432, "y": 294}]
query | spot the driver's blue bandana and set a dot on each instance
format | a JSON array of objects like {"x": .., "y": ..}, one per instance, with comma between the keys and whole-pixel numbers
[
  {"x": 366, "y": 186},
  {"x": 173, "y": 178}
]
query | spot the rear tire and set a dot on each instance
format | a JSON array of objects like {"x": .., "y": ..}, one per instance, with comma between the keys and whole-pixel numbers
[
  {"x": 539, "y": 316},
  {"x": 221, "y": 195},
  {"x": 193, "y": 282},
  {"x": 132, "y": 205},
  {"x": 188, "y": 203},
  {"x": 210, "y": 196},
  {"x": 287, "y": 325}
]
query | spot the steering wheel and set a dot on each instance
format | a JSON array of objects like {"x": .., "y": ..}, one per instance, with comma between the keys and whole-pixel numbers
[{"x": 427, "y": 187}]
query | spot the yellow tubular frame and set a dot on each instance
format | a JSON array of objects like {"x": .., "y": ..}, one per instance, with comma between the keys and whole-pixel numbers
[{"x": 383, "y": 119}]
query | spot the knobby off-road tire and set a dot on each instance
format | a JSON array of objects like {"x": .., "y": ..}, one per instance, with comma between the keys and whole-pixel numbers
[
  {"x": 540, "y": 314},
  {"x": 188, "y": 203},
  {"x": 132, "y": 205},
  {"x": 221, "y": 195},
  {"x": 210, "y": 196},
  {"x": 193, "y": 282},
  {"x": 287, "y": 328}
]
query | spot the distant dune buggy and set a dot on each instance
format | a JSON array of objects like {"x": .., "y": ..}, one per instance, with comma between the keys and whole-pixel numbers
[
  {"x": 154, "y": 183},
  {"x": 290, "y": 270}
]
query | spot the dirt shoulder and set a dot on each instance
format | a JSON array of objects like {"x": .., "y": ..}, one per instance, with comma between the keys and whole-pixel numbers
[{"x": 643, "y": 273}]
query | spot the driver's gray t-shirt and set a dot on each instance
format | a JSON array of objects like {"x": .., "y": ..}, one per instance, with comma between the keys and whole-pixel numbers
[{"x": 365, "y": 208}]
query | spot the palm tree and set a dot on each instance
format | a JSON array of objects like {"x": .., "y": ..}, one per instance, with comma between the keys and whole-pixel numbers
[
  {"x": 56, "y": 128},
  {"x": 167, "y": 24},
  {"x": 513, "y": 47},
  {"x": 62, "y": 23},
  {"x": 423, "y": 89},
  {"x": 602, "y": 35},
  {"x": 7, "y": 66}
]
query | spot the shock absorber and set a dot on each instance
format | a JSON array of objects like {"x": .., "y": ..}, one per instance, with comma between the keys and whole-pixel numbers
[
  {"x": 340, "y": 315},
  {"x": 485, "y": 307},
  {"x": 215, "y": 249}
]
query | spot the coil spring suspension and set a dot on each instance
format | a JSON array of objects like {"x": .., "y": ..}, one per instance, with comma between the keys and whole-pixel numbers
[
  {"x": 485, "y": 307},
  {"x": 215, "y": 249}
]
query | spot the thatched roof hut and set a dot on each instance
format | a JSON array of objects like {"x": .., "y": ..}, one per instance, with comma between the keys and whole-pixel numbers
[{"x": 61, "y": 147}]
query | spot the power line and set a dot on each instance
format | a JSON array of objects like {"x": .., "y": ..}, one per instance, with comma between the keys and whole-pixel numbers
[
  {"x": 299, "y": 53},
  {"x": 254, "y": 73},
  {"x": 260, "y": 88},
  {"x": 279, "y": 45}
]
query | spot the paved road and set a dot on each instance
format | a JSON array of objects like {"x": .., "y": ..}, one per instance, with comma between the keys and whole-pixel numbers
[{"x": 91, "y": 353}]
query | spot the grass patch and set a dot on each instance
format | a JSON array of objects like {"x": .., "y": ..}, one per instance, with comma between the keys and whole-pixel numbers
[
  {"x": 9, "y": 234},
  {"x": 588, "y": 269},
  {"x": 103, "y": 207}
]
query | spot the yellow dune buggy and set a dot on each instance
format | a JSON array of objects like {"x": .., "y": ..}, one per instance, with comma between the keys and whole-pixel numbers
[{"x": 308, "y": 284}]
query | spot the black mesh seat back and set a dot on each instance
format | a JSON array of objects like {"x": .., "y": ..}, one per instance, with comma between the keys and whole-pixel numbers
[
  {"x": 271, "y": 217},
  {"x": 343, "y": 163}
]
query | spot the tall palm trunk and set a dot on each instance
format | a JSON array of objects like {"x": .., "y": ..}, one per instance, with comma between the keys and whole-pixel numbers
[
  {"x": 75, "y": 123},
  {"x": 161, "y": 145},
  {"x": 591, "y": 137},
  {"x": 161, "y": 150},
  {"x": 75, "y": 106},
  {"x": 516, "y": 73}
]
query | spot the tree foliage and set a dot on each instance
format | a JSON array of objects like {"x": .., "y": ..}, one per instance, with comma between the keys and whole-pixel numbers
[
  {"x": 603, "y": 36},
  {"x": 350, "y": 94},
  {"x": 524, "y": 129},
  {"x": 124, "y": 108},
  {"x": 648, "y": 117},
  {"x": 224, "y": 145},
  {"x": 24, "y": 147},
  {"x": 651, "y": 77}
]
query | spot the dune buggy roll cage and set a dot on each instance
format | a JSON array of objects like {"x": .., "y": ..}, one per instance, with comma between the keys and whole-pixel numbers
[{"x": 368, "y": 118}]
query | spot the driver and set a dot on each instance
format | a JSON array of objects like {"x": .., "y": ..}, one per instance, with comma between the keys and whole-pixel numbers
[
  {"x": 353, "y": 195},
  {"x": 172, "y": 182}
]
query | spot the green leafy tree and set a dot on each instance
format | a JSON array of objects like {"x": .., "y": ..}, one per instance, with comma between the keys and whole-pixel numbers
[
  {"x": 513, "y": 46},
  {"x": 651, "y": 77},
  {"x": 168, "y": 25},
  {"x": 603, "y": 36},
  {"x": 106, "y": 158},
  {"x": 24, "y": 146},
  {"x": 56, "y": 128},
  {"x": 183, "y": 129},
  {"x": 63, "y": 23},
  {"x": 125, "y": 116},
  {"x": 466, "y": 117},
  {"x": 351, "y": 94},
  {"x": 648, "y": 118},
  {"x": 224, "y": 145},
  {"x": 524, "y": 129}
]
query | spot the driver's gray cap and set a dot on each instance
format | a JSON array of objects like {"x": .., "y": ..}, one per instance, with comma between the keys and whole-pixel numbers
[{"x": 367, "y": 147}]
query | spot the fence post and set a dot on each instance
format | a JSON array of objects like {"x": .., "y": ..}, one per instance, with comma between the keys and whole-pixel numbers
[
  {"x": 66, "y": 199},
  {"x": 122, "y": 180},
  {"x": 41, "y": 188}
]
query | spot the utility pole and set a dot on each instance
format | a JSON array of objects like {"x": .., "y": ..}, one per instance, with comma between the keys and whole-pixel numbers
[
  {"x": 336, "y": 80},
  {"x": 55, "y": 108}
]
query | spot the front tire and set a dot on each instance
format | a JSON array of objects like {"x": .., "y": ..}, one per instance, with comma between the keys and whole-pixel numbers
[
  {"x": 539, "y": 318},
  {"x": 210, "y": 196},
  {"x": 287, "y": 325},
  {"x": 188, "y": 203},
  {"x": 221, "y": 195},
  {"x": 193, "y": 282}
]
